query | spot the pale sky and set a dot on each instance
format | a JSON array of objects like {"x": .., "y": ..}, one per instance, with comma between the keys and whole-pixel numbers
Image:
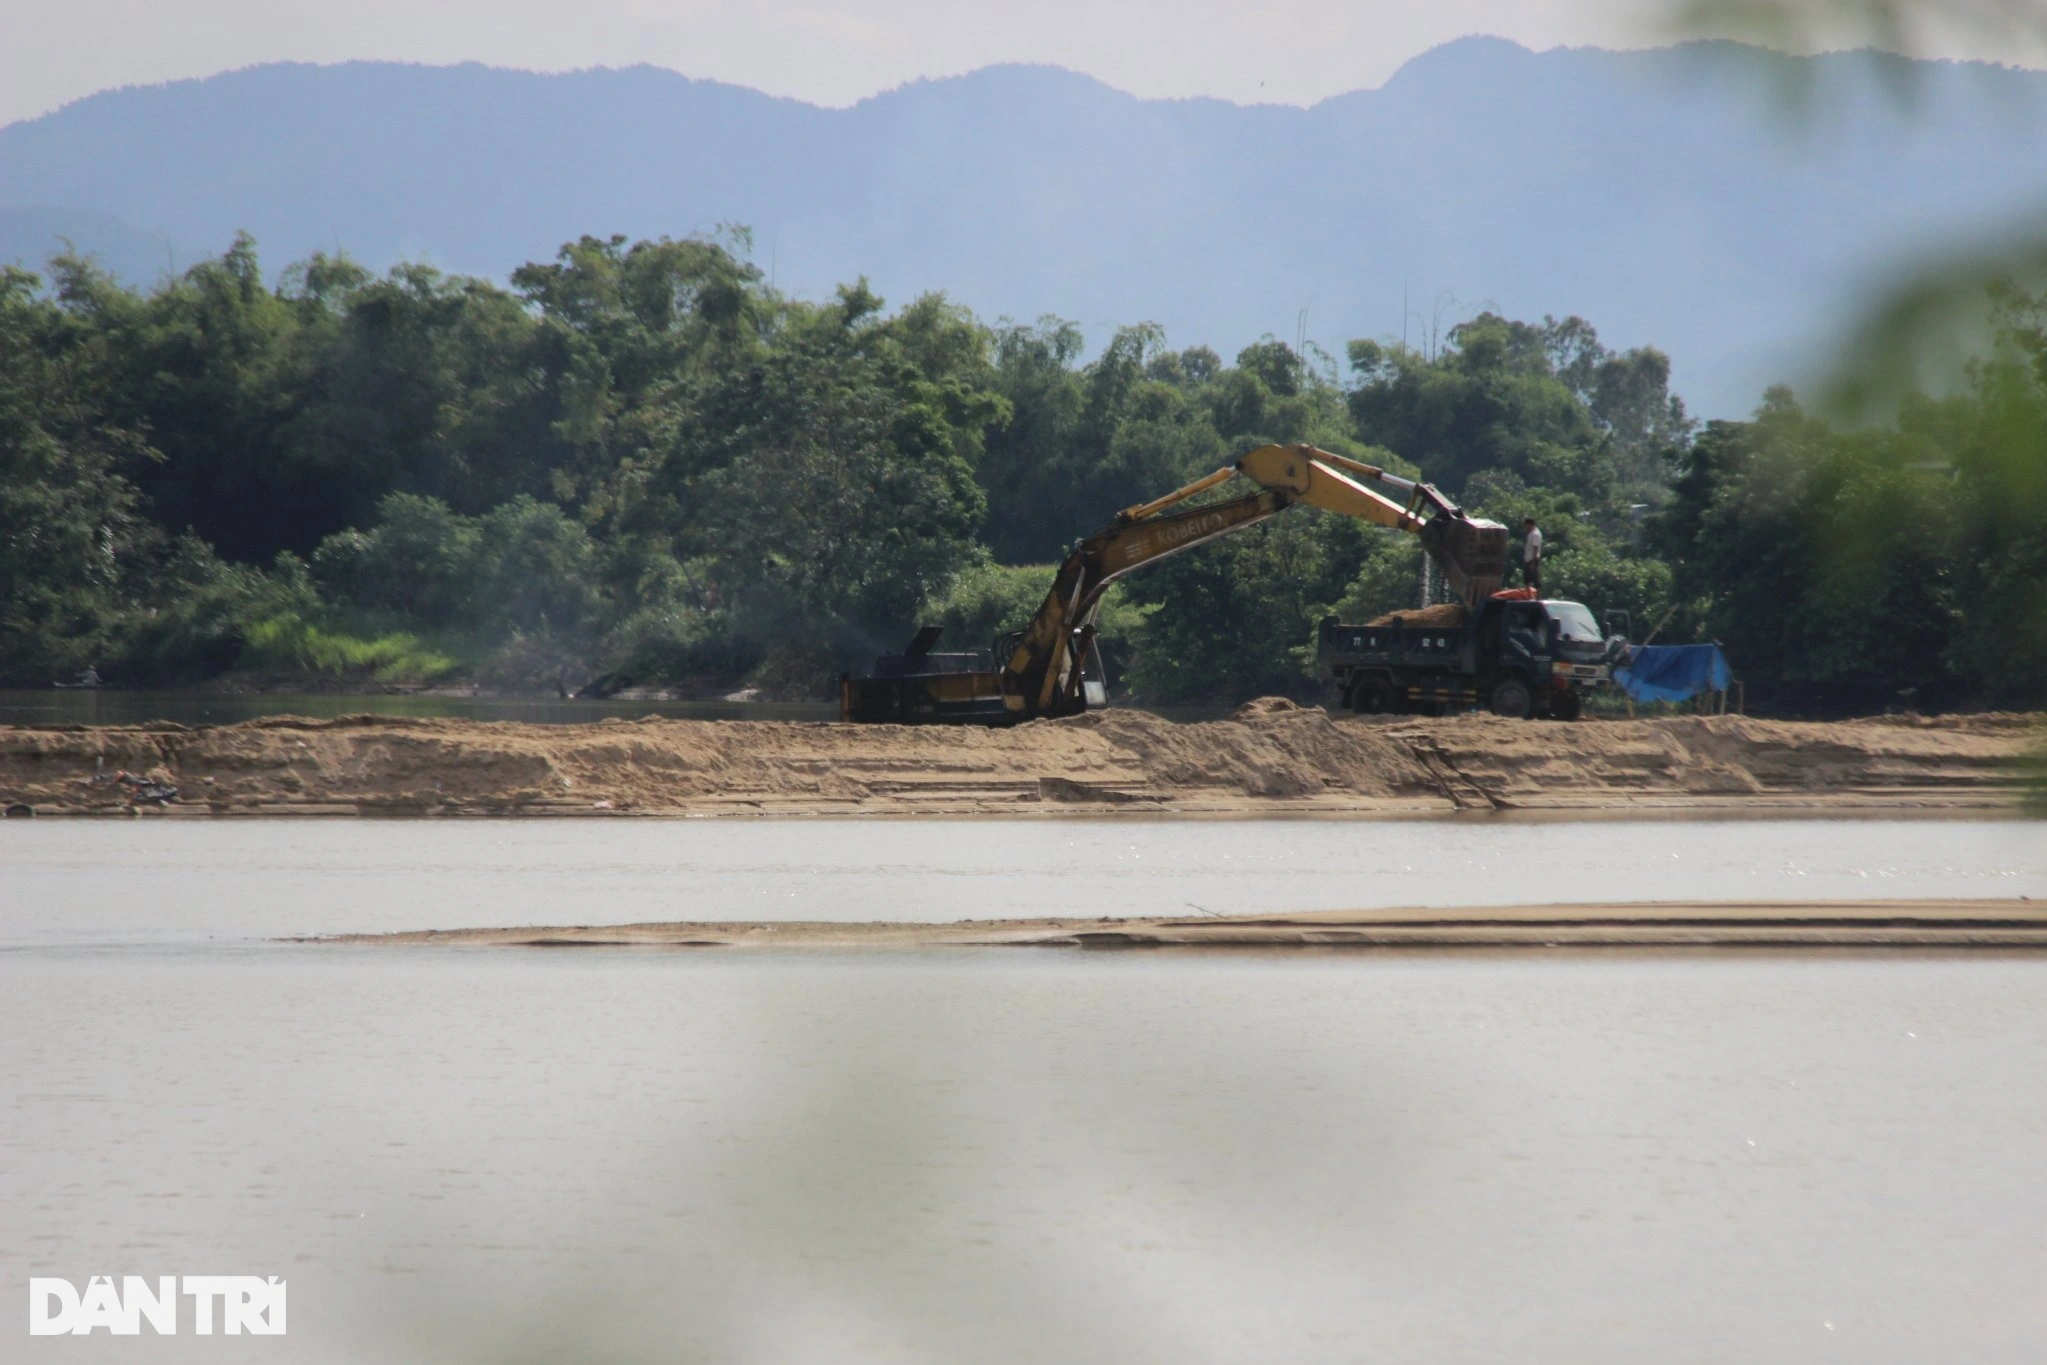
[{"x": 825, "y": 51}]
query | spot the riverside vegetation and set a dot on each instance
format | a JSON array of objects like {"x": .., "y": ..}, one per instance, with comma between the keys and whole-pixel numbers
[{"x": 640, "y": 462}]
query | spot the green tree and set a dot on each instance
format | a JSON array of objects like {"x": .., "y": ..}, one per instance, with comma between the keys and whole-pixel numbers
[
  {"x": 1029, "y": 513},
  {"x": 78, "y": 547},
  {"x": 1490, "y": 403},
  {"x": 1080, "y": 445},
  {"x": 824, "y": 479},
  {"x": 415, "y": 567},
  {"x": 1824, "y": 561},
  {"x": 1997, "y": 443}
]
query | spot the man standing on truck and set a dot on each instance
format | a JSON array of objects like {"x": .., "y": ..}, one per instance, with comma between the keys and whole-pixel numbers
[{"x": 1531, "y": 555}]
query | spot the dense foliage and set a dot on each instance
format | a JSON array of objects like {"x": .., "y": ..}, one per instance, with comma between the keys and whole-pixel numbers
[{"x": 640, "y": 462}]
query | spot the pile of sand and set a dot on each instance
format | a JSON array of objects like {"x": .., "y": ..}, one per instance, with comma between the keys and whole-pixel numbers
[
  {"x": 1874, "y": 761},
  {"x": 1271, "y": 749},
  {"x": 1271, "y": 756}
]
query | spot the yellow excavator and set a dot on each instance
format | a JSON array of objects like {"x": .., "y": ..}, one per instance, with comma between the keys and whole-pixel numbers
[{"x": 1052, "y": 667}]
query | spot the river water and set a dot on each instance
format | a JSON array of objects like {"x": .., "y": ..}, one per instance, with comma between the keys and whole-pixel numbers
[
  {"x": 953, "y": 1155},
  {"x": 135, "y": 881}
]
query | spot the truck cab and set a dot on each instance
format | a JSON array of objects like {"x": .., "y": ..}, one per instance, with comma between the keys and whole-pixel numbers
[{"x": 1515, "y": 654}]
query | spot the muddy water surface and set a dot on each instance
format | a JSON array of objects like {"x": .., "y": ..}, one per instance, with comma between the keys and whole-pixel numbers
[
  {"x": 518, "y": 1155},
  {"x": 145, "y": 881}
]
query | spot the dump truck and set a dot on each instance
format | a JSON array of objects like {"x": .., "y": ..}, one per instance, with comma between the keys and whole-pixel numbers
[
  {"x": 1516, "y": 653},
  {"x": 1052, "y": 667}
]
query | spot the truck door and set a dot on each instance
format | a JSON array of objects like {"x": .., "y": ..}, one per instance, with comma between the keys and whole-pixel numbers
[{"x": 1527, "y": 637}]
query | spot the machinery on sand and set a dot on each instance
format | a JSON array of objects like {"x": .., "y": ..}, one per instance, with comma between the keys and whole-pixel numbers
[{"x": 1052, "y": 666}]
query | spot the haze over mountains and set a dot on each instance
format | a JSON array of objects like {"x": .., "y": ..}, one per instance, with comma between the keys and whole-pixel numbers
[{"x": 1673, "y": 197}]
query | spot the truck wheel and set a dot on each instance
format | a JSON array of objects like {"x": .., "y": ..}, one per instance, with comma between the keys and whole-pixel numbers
[
  {"x": 1511, "y": 699},
  {"x": 1373, "y": 697},
  {"x": 1565, "y": 706}
]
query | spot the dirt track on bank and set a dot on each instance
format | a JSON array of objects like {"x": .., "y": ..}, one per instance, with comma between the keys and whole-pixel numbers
[{"x": 1270, "y": 758}]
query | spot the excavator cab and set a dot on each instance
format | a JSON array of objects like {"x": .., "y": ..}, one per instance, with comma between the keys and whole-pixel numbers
[{"x": 920, "y": 686}]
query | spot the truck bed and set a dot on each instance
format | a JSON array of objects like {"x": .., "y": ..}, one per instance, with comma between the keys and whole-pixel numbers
[{"x": 1396, "y": 646}]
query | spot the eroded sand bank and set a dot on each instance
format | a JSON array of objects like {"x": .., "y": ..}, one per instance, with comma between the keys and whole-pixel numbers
[
  {"x": 1270, "y": 758},
  {"x": 1784, "y": 924}
]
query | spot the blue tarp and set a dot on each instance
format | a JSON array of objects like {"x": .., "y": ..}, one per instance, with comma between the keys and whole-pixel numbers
[{"x": 1674, "y": 672}]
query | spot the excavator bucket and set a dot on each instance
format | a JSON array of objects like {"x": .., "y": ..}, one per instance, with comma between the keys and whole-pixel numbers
[{"x": 1471, "y": 551}]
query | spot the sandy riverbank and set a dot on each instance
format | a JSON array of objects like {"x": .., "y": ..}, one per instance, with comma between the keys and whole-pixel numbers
[
  {"x": 1270, "y": 758},
  {"x": 1781, "y": 924}
]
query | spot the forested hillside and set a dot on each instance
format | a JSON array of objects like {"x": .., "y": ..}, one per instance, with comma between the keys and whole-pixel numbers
[{"x": 640, "y": 461}]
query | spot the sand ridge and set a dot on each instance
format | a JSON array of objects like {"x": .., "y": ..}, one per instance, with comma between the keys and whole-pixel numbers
[
  {"x": 1923, "y": 924},
  {"x": 1271, "y": 757}
]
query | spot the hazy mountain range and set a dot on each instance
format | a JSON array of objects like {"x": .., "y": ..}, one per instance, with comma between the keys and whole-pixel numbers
[{"x": 1707, "y": 199}]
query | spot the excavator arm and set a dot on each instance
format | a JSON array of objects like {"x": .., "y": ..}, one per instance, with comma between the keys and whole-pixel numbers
[
  {"x": 1042, "y": 676},
  {"x": 1471, "y": 551}
]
